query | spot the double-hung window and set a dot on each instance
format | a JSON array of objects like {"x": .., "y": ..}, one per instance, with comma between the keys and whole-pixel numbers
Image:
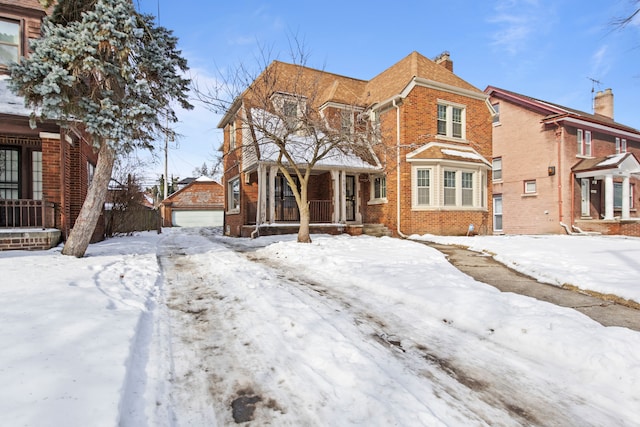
[
  {"x": 621, "y": 145},
  {"x": 451, "y": 120},
  {"x": 9, "y": 41},
  {"x": 423, "y": 186},
  {"x": 232, "y": 135},
  {"x": 233, "y": 195},
  {"x": 379, "y": 184},
  {"x": 583, "y": 142},
  {"x": 497, "y": 169}
]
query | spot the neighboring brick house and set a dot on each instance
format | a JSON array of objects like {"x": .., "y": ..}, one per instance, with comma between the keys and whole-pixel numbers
[
  {"x": 431, "y": 168},
  {"x": 198, "y": 204},
  {"x": 44, "y": 172},
  {"x": 558, "y": 170}
]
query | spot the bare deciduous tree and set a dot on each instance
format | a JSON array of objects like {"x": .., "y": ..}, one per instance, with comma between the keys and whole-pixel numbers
[{"x": 284, "y": 109}]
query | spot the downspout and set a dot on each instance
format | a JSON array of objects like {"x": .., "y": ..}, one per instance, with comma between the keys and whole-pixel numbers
[
  {"x": 398, "y": 198},
  {"x": 560, "y": 200}
]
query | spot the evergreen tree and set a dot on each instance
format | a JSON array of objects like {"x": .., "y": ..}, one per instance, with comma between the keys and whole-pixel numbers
[{"x": 111, "y": 73}]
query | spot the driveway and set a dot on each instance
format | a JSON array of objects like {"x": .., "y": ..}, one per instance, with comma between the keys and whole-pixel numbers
[{"x": 484, "y": 268}]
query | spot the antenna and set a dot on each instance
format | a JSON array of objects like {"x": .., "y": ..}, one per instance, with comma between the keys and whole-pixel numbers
[{"x": 594, "y": 82}]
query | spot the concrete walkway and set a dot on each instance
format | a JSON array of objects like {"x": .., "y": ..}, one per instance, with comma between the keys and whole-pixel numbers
[{"x": 485, "y": 269}]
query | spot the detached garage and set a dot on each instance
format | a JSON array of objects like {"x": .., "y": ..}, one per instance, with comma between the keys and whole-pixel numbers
[{"x": 199, "y": 204}]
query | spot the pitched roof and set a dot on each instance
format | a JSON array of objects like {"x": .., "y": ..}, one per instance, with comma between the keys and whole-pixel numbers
[
  {"x": 623, "y": 162},
  {"x": 395, "y": 78},
  {"x": 449, "y": 152},
  {"x": 552, "y": 111},
  {"x": 328, "y": 87}
]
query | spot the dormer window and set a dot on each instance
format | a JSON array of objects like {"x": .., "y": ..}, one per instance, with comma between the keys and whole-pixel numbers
[{"x": 9, "y": 42}]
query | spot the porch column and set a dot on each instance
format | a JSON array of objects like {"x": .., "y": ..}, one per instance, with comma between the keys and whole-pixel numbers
[
  {"x": 343, "y": 192},
  {"x": 262, "y": 195},
  {"x": 608, "y": 197},
  {"x": 625, "y": 197},
  {"x": 335, "y": 181},
  {"x": 273, "y": 171}
]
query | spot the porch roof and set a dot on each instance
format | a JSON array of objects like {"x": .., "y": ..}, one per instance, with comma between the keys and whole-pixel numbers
[
  {"x": 9, "y": 102},
  {"x": 447, "y": 152},
  {"x": 617, "y": 164}
]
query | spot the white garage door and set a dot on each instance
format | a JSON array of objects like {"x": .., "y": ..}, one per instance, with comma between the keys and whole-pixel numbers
[{"x": 197, "y": 218}]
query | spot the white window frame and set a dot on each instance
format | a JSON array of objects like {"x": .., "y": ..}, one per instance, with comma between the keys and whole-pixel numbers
[
  {"x": 617, "y": 195},
  {"x": 448, "y": 120},
  {"x": 496, "y": 167},
  {"x": 233, "y": 203},
  {"x": 436, "y": 188},
  {"x": 621, "y": 145},
  {"x": 416, "y": 189},
  {"x": 584, "y": 142},
  {"x": 382, "y": 196},
  {"x": 498, "y": 202},
  {"x": 530, "y": 186},
  {"x": 232, "y": 135},
  {"x": 36, "y": 175}
]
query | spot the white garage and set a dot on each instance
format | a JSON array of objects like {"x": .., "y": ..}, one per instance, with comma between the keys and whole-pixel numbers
[
  {"x": 198, "y": 204},
  {"x": 190, "y": 218}
]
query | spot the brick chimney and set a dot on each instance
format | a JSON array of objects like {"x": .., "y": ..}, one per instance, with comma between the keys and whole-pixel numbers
[
  {"x": 445, "y": 60},
  {"x": 603, "y": 103}
]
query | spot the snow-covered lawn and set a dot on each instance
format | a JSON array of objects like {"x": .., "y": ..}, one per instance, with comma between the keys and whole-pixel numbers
[
  {"x": 604, "y": 264},
  {"x": 192, "y": 328}
]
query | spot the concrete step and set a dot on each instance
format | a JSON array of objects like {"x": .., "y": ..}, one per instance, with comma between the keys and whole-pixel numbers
[{"x": 377, "y": 230}]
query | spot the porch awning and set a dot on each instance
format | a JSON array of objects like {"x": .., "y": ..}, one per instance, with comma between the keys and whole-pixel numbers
[{"x": 623, "y": 164}]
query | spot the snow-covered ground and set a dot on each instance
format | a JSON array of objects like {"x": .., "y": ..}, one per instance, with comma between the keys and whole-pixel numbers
[{"x": 192, "y": 328}]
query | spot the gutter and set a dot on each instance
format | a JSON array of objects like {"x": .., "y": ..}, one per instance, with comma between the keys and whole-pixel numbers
[{"x": 398, "y": 198}]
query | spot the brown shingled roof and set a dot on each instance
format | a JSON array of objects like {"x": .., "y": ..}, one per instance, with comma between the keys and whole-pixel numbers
[{"x": 395, "y": 78}]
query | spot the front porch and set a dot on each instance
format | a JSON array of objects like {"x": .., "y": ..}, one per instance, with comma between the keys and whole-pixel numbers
[
  {"x": 25, "y": 224},
  {"x": 334, "y": 203}
]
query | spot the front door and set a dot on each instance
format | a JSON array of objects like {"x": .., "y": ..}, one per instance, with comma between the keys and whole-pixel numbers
[
  {"x": 585, "y": 197},
  {"x": 350, "y": 197}
]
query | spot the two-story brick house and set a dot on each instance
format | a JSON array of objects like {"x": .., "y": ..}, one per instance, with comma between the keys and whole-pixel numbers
[
  {"x": 427, "y": 172},
  {"x": 44, "y": 171},
  {"x": 558, "y": 170}
]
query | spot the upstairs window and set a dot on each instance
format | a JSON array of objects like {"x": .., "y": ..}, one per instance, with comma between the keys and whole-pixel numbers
[
  {"x": 346, "y": 122},
  {"x": 583, "y": 142},
  {"x": 496, "y": 116},
  {"x": 451, "y": 120},
  {"x": 621, "y": 145},
  {"x": 290, "y": 111},
  {"x": 232, "y": 135},
  {"x": 9, "y": 41},
  {"x": 497, "y": 169}
]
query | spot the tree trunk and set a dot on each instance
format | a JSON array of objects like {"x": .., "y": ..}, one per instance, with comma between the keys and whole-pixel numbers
[
  {"x": 85, "y": 224},
  {"x": 303, "y": 231}
]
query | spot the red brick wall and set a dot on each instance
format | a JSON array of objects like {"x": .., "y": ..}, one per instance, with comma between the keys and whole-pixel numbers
[{"x": 418, "y": 126}]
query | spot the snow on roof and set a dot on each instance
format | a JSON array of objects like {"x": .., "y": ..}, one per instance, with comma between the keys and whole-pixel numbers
[
  {"x": 204, "y": 179},
  {"x": 9, "y": 102},
  {"x": 466, "y": 154},
  {"x": 301, "y": 147},
  {"x": 612, "y": 160}
]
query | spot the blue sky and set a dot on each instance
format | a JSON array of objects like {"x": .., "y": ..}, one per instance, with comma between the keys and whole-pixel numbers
[{"x": 546, "y": 49}]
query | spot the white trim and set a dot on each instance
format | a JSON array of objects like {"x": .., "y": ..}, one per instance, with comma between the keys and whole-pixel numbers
[
  {"x": 51, "y": 135},
  {"x": 607, "y": 129}
]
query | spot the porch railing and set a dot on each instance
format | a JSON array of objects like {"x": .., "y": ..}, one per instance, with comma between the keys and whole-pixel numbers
[
  {"x": 320, "y": 211},
  {"x": 24, "y": 213}
]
